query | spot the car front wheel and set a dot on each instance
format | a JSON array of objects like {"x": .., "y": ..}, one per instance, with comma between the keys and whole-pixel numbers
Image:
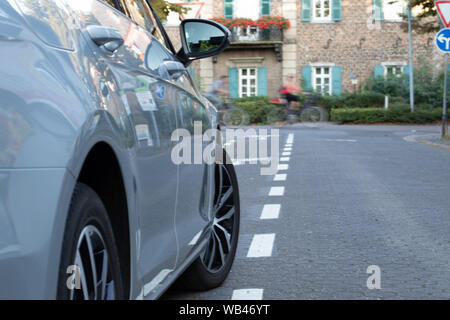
[
  {"x": 90, "y": 268},
  {"x": 213, "y": 266}
]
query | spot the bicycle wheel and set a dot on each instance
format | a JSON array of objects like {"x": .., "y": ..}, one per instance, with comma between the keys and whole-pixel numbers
[
  {"x": 235, "y": 117},
  {"x": 277, "y": 115},
  {"x": 312, "y": 114}
]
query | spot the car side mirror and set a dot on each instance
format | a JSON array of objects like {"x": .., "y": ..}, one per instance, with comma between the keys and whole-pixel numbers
[{"x": 202, "y": 39}]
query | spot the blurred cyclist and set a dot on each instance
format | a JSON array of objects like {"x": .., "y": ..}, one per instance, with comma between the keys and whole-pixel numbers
[
  {"x": 217, "y": 91},
  {"x": 290, "y": 91}
]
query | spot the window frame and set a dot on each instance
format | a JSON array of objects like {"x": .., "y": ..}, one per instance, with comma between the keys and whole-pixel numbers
[
  {"x": 329, "y": 18},
  {"x": 395, "y": 64},
  {"x": 248, "y": 77},
  {"x": 322, "y": 76}
]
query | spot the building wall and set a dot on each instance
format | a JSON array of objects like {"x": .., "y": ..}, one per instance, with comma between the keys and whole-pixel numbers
[
  {"x": 357, "y": 43},
  {"x": 252, "y": 59}
]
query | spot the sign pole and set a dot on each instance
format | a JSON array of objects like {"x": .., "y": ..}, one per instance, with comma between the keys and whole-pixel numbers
[
  {"x": 444, "y": 133},
  {"x": 411, "y": 65}
]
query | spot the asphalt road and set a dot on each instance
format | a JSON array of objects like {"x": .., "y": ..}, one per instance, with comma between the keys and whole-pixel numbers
[{"x": 354, "y": 196}]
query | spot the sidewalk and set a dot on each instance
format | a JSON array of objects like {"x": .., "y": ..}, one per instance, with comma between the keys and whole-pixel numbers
[{"x": 434, "y": 140}]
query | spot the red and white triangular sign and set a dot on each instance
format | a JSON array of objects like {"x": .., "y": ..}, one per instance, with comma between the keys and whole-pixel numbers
[
  {"x": 196, "y": 9},
  {"x": 443, "y": 9}
]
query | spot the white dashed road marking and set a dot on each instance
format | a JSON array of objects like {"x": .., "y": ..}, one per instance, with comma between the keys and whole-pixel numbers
[
  {"x": 247, "y": 294},
  {"x": 286, "y": 154},
  {"x": 271, "y": 211},
  {"x": 280, "y": 177},
  {"x": 283, "y": 167},
  {"x": 285, "y": 159},
  {"x": 276, "y": 191},
  {"x": 290, "y": 138},
  {"x": 261, "y": 246}
]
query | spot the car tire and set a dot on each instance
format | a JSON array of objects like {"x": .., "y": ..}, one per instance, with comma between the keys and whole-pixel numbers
[
  {"x": 199, "y": 276},
  {"x": 88, "y": 233}
]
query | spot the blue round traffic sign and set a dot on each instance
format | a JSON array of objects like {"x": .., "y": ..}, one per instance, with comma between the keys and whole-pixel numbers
[{"x": 443, "y": 40}]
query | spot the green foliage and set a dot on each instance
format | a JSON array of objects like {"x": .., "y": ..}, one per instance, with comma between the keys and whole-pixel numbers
[
  {"x": 399, "y": 113},
  {"x": 422, "y": 22},
  {"x": 392, "y": 86},
  {"x": 428, "y": 87},
  {"x": 163, "y": 8},
  {"x": 352, "y": 100},
  {"x": 256, "y": 107}
]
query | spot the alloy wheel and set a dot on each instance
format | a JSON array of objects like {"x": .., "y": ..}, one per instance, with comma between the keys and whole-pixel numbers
[
  {"x": 93, "y": 263},
  {"x": 222, "y": 230}
]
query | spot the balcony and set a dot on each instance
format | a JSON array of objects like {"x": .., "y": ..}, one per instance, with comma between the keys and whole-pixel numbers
[{"x": 256, "y": 36}]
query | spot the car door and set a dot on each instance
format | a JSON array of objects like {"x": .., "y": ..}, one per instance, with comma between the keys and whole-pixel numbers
[
  {"x": 193, "y": 212},
  {"x": 194, "y": 194},
  {"x": 149, "y": 102}
]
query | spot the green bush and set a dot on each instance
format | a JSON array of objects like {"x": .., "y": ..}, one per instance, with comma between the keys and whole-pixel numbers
[
  {"x": 353, "y": 100},
  {"x": 399, "y": 113},
  {"x": 256, "y": 107}
]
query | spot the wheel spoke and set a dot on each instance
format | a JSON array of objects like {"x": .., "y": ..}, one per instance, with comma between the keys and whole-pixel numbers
[
  {"x": 220, "y": 183},
  {"x": 221, "y": 201},
  {"x": 212, "y": 253},
  {"x": 220, "y": 246},
  {"x": 226, "y": 235},
  {"x": 92, "y": 260},
  {"x": 226, "y": 216},
  {"x": 104, "y": 275},
  {"x": 79, "y": 263}
]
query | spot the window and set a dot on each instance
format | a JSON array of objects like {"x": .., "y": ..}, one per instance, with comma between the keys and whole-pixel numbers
[
  {"x": 393, "y": 9},
  {"x": 322, "y": 10},
  {"x": 143, "y": 16},
  {"x": 248, "y": 79},
  {"x": 322, "y": 80},
  {"x": 393, "y": 70},
  {"x": 228, "y": 8}
]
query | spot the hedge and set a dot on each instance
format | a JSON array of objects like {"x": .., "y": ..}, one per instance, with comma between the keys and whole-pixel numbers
[
  {"x": 352, "y": 100},
  {"x": 397, "y": 114},
  {"x": 256, "y": 107}
]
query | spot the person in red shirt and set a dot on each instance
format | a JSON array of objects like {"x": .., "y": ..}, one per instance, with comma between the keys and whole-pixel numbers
[{"x": 290, "y": 91}]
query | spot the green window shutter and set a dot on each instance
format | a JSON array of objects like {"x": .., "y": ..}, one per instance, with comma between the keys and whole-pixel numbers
[
  {"x": 337, "y": 10},
  {"x": 265, "y": 7},
  {"x": 306, "y": 10},
  {"x": 406, "y": 72},
  {"x": 378, "y": 14},
  {"x": 378, "y": 71},
  {"x": 229, "y": 8},
  {"x": 336, "y": 80},
  {"x": 307, "y": 78},
  {"x": 233, "y": 82},
  {"x": 262, "y": 81}
]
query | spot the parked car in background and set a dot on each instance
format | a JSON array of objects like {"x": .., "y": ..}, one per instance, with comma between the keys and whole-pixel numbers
[{"x": 91, "y": 204}]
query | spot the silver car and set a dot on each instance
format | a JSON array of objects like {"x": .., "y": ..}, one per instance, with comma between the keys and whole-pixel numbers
[{"x": 92, "y": 205}]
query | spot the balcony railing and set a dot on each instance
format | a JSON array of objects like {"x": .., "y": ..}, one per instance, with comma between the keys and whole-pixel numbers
[{"x": 254, "y": 34}]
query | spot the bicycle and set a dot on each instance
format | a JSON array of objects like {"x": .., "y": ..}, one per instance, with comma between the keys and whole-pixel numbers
[
  {"x": 283, "y": 112},
  {"x": 230, "y": 115}
]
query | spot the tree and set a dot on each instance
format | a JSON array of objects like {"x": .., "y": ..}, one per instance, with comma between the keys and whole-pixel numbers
[
  {"x": 163, "y": 8},
  {"x": 425, "y": 21}
]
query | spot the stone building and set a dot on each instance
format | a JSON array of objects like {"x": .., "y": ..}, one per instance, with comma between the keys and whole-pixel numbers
[{"x": 331, "y": 47}]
